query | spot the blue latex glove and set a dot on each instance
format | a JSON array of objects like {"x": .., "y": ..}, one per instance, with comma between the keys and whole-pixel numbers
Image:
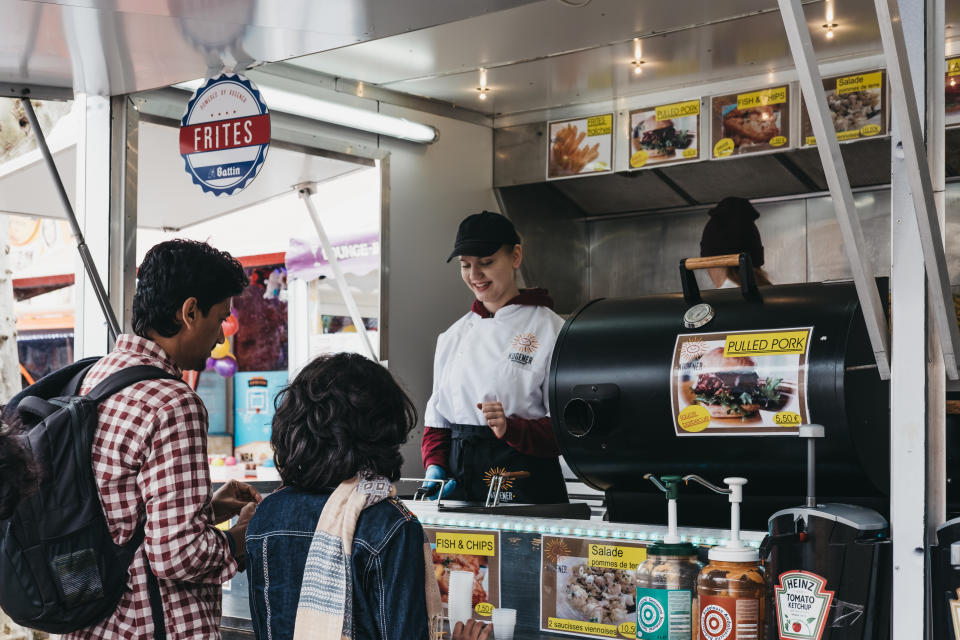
[{"x": 436, "y": 472}]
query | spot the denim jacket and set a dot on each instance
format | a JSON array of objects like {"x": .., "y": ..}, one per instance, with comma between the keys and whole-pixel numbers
[{"x": 388, "y": 572}]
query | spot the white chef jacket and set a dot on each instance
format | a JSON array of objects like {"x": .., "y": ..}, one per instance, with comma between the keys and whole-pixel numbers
[{"x": 505, "y": 358}]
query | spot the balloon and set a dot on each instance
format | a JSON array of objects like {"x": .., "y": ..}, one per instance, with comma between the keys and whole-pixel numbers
[
  {"x": 211, "y": 363},
  {"x": 221, "y": 350},
  {"x": 226, "y": 367},
  {"x": 230, "y": 325}
]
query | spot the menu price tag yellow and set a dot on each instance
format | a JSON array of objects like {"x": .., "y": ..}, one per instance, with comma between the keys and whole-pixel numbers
[
  {"x": 477, "y": 544},
  {"x": 765, "y": 344},
  {"x": 777, "y": 95},
  {"x": 611, "y": 557},
  {"x": 843, "y": 136},
  {"x": 859, "y": 82},
  {"x": 678, "y": 110},
  {"x": 953, "y": 67},
  {"x": 600, "y": 125},
  {"x": 576, "y": 626}
]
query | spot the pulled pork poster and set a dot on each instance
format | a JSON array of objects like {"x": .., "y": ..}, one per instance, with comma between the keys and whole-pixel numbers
[{"x": 741, "y": 382}]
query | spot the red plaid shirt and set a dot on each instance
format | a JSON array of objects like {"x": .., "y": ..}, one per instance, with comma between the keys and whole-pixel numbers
[{"x": 150, "y": 463}]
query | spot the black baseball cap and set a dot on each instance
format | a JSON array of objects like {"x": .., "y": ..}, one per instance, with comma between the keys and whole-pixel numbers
[{"x": 482, "y": 234}]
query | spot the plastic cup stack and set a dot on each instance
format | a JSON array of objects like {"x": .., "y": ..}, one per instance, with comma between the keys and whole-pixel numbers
[
  {"x": 460, "y": 598},
  {"x": 504, "y": 621}
]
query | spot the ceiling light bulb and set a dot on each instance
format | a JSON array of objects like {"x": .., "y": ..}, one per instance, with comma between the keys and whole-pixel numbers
[
  {"x": 637, "y": 70},
  {"x": 483, "y": 95},
  {"x": 829, "y": 34}
]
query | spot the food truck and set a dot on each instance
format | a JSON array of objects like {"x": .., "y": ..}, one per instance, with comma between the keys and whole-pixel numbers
[{"x": 605, "y": 130}]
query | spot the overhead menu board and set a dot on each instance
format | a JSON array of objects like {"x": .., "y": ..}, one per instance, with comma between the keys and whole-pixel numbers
[
  {"x": 580, "y": 146},
  {"x": 952, "y": 92},
  {"x": 858, "y": 107},
  {"x": 588, "y": 587},
  {"x": 751, "y": 122},
  {"x": 668, "y": 133},
  {"x": 741, "y": 383}
]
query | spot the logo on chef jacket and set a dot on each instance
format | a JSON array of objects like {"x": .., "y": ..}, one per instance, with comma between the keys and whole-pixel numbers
[
  {"x": 224, "y": 134},
  {"x": 523, "y": 345}
]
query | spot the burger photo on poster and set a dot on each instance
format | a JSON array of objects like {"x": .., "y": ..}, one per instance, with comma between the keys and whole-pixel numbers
[
  {"x": 660, "y": 138},
  {"x": 733, "y": 388}
]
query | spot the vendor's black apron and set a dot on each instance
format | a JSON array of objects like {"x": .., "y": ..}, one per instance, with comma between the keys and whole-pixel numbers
[{"x": 476, "y": 455}]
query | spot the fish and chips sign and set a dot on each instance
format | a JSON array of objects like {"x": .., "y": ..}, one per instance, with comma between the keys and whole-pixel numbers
[{"x": 224, "y": 134}]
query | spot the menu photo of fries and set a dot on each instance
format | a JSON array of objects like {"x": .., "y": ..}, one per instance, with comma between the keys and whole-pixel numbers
[{"x": 580, "y": 147}]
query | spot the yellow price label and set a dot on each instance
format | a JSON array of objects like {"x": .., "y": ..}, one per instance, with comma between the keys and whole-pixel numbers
[
  {"x": 694, "y": 419},
  {"x": 859, "y": 82},
  {"x": 678, "y": 110},
  {"x": 471, "y": 544},
  {"x": 612, "y": 557},
  {"x": 577, "y": 626},
  {"x": 484, "y": 609},
  {"x": 777, "y": 95},
  {"x": 723, "y": 148},
  {"x": 639, "y": 158},
  {"x": 600, "y": 125},
  {"x": 870, "y": 129},
  {"x": 765, "y": 344},
  {"x": 811, "y": 140},
  {"x": 690, "y": 152},
  {"x": 953, "y": 67},
  {"x": 778, "y": 141},
  {"x": 787, "y": 419},
  {"x": 628, "y": 629},
  {"x": 843, "y": 136}
]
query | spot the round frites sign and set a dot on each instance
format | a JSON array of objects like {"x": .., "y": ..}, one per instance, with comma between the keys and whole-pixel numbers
[{"x": 224, "y": 134}]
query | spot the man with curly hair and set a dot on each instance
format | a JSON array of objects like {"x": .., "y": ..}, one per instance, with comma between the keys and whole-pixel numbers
[{"x": 149, "y": 451}]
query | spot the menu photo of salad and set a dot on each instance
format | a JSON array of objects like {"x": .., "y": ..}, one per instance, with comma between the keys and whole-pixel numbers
[
  {"x": 857, "y": 107},
  {"x": 580, "y": 146},
  {"x": 751, "y": 122},
  {"x": 668, "y": 133}
]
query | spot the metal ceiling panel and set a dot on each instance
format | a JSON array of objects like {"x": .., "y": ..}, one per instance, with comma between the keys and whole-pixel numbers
[
  {"x": 122, "y": 46},
  {"x": 619, "y": 192},
  {"x": 867, "y": 163},
  {"x": 584, "y": 55}
]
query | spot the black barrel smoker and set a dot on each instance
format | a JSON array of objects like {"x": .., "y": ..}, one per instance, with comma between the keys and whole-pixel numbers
[{"x": 613, "y": 403}]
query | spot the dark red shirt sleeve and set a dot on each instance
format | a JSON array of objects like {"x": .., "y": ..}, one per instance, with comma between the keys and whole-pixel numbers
[
  {"x": 532, "y": 437},
  {"x": 435, "y": 447}
]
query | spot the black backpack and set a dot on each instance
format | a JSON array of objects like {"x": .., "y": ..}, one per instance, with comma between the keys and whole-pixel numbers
[{"x": 60, "y": 570}]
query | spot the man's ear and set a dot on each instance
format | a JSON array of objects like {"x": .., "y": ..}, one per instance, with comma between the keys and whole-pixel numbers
[{"x": 189, "y": 313}]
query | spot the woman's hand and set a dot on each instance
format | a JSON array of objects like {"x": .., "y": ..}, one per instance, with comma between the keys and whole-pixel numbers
[
  {"x": 473, "y": 630},
  {"x": 493, "y": 414}
]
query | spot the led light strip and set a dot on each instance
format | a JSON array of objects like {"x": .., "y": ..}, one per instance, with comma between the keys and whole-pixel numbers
[{"x": 338, "y": 114}]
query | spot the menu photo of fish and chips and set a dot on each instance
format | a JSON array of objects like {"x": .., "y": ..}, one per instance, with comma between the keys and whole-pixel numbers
[
  {"x": 580, "y": 146},
  {"x": 473, "y": 550},
  {"x": 751, "y": 122},
  {"x": 668, "y": 133},
  {"x": 588, "y": 587},
  {"x": 857, "y": 105}
]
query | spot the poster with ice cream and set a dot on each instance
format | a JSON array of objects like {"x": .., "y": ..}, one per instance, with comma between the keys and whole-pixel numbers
[{"x": 741, "y": 383}]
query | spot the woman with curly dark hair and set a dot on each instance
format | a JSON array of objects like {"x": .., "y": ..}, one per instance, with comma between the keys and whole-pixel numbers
[
  {"x": 333, "y": 553},
  {"x": 17, "y": 473}
]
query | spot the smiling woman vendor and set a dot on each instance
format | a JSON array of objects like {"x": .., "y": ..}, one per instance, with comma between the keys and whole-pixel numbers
[{"x": 488, "y": 412}]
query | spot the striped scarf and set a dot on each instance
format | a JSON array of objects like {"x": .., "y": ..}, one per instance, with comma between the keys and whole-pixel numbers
[{"x": 325, "y": 609}]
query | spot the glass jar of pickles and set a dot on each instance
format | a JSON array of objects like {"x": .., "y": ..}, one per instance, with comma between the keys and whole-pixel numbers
[{"x": 667, "y": 593}]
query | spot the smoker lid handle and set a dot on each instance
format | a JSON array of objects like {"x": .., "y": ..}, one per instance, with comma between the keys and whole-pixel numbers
[{"x": 712, "y": 262}]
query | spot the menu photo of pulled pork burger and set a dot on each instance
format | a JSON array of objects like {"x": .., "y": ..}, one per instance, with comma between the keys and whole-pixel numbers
[
  {"x": 668, "y": 133},
  {"x": 751, "y": 122},
  {"x": 857, "y": 105},
  {"x": 580, "y": 146},
  {"x": 740, "y": 383}
]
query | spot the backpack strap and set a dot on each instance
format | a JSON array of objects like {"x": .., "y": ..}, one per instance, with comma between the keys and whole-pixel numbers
[
  {"x": 124, "y": 378},
  {"x": 153, "y": 585}
]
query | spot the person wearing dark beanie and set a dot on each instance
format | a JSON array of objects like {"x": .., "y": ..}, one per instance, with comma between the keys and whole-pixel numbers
[{"x": 731, "y": 229}]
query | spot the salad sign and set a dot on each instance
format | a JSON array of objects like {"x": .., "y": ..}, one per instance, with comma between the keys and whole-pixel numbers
[
  {"x": 588, "y": 587},
  {"x": 224, "y": 134},
  {"x": 742, "y": 383},
  {"x": 802, "y": 605},
  {"x": 580, "y": 146},
  {"x": 668, "y": 133},
  {"x": 857, "y": 107}
]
